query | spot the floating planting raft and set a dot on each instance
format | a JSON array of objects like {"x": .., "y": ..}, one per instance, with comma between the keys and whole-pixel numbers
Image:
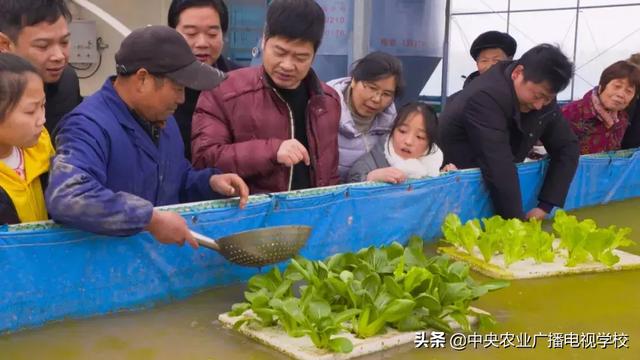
[
  {"x": 512, "y": 249},
  {"x": 529, "y": 269},
  {"x": 302, "y": 348},
  {"x": 353, "y": 304}
]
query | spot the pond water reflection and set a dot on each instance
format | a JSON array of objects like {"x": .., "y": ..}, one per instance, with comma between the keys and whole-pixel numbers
[{"x": 593, "y": 303}]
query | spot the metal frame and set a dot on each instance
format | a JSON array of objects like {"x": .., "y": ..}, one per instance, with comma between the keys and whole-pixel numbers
[
  {"x": 445, "y": 54},
  {"x": 575, "y": 47},
  {"x": 361, "y": 23},
  {"x": 544, "y": 9},
  {"x": 508, "y": 12},
  {"x": 104, "y": 16}
]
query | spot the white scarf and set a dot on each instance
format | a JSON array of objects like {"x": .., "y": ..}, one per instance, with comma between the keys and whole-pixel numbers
[{"x": 427, "y": 165}]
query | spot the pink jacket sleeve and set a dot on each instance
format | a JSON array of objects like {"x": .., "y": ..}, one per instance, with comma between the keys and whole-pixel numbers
[{"x": 573, "y": 114}]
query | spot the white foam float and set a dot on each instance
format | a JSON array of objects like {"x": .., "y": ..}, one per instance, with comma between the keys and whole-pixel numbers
[
  {"x": 303, "y": 349},
  {"x": 529, "y": 269}
]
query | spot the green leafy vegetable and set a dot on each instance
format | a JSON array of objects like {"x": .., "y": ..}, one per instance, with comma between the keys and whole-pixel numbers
[
  {"x": 365, "y": 293},
  {"x": 584, "y": 241},
  {"x": 464, "y": 236},
  {"x": 517, "y": 240}
]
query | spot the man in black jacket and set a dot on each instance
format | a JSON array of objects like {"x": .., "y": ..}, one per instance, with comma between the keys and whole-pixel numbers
[
  {"x": 497, "y": 119},
  {"x": 203, "y": 23},
  {"x": 632, "y": 135},
  {"x": 488, "y": 49},
  {"x": 37, "y": 31}
]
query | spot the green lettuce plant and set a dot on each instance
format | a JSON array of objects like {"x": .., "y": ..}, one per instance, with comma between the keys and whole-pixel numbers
[
  {"x": 584, "y": 241},
  {"x": 366, "y": 293},
  {"x": 516, "y": 240}
]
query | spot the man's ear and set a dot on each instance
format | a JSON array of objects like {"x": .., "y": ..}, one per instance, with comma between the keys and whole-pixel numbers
[
  {"x": 141, "y": 76},
  {"x": 6, "y": 45},
  {"x": 517, "y": 71}
]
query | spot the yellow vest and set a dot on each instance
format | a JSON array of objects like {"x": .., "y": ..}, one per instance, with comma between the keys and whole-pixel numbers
[{"x": 27, "y": 194}]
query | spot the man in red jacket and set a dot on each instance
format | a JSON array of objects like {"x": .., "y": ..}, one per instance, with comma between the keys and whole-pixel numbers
[{"x": 275, "y": 125}]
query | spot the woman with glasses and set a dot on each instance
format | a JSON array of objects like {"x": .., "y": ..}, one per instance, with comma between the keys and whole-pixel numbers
[{"x": 367, "y": 109}]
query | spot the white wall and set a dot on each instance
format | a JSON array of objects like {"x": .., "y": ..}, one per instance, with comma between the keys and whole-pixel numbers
[{"x": 133, "y": 14}]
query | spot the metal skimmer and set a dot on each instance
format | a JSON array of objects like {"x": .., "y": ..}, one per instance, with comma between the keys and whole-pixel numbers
[{"x": 259, "y": 247}]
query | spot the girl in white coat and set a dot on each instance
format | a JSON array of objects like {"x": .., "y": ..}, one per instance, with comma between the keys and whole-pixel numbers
[{"x": 410, "y": 151}]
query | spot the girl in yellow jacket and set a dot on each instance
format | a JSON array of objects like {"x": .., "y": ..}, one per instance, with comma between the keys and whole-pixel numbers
[{"x": 25, "y": 146}]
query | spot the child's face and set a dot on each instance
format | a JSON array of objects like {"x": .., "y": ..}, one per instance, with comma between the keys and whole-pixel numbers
[
  {"x": 24, "y": 123},
  {"x": 410, "y": 139}
]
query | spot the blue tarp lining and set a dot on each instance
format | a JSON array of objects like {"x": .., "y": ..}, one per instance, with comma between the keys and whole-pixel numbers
[{"x": 51, "y": 272}]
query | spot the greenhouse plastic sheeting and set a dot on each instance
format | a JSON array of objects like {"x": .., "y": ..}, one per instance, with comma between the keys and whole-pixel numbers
[{"x": 51, "y": 272}]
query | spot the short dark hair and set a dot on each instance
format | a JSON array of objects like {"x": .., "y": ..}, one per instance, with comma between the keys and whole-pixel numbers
[
  {"x": 379, "y": 65},
  {"x": 620, "y": 70},
  {"x": 634, "y": 59},
  {"x": 546, "y": 62},
  {"x": 295, "y": 20},
  {"x": 18, "y": 14},
  {"x": 178, "y": 6},
  {"x": 13, "y": 81},
  {"x": 429, "y": 116}
]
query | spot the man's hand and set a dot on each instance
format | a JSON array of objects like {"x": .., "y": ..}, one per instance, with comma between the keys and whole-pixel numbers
[
  {"x": 170, "y": 228},
  {"x": 230, "y": 185},
  {"x": 536, "y": 213},
  {"x": 388, "y": 174},
  {"x": 448, "y": 167},
  {"x": 292, "y": 152}
]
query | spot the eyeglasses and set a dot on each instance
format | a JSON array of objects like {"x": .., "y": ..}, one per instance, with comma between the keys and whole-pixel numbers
[{"x": 373, "y": 91}]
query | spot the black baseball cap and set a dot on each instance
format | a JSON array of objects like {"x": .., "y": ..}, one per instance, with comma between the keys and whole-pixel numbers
[
  {"x": 493, "y": 40},
  {"x": 163, "y": 51}
]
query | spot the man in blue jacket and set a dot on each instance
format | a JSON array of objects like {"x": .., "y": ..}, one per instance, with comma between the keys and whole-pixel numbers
[{"x": 120, "y": 152}]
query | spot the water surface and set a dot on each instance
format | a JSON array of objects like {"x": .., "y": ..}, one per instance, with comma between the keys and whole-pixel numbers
[{"x": 595, "y": 303}]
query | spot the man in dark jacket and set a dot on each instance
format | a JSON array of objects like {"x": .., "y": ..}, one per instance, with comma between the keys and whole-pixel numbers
[
  {"x": 37, "y": 31},
  {"x": 275, "y": 125},
  {"x": 488, "y": 49},
  {"x": 203, "y": 23},
  {"x": 497, "y": 119},
  {"x": 632, "y": 135},
  {"x": 119, "y": 153}
]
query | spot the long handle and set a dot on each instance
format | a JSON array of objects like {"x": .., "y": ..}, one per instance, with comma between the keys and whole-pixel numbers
[{"x": 205, "y": 241}]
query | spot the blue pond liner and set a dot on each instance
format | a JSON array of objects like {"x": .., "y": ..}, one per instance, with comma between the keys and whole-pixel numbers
[{"x": 51, "y": 272}]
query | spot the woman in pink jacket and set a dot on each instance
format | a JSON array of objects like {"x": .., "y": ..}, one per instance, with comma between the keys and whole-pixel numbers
[{"x": 599, "y": 119}]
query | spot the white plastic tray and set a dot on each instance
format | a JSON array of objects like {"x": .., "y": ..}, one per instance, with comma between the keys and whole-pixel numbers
[
  {"x": 303, "y": 349},
  {"x": 528, "y": 269}
]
